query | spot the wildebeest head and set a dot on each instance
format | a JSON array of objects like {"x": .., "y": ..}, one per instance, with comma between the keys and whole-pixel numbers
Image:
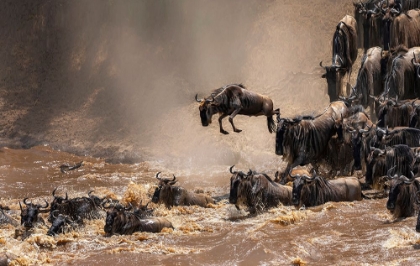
[
  {"x": 163, "y": 189},
  {"x": 142, "y": 211},
  {"x": 236, "y": 185},
  {"x": 206, "y": 110},
  {"x": 283, "y": 124},
  {"x": 299, "y": 181},
  {"x": 29, "y": 214},
  {"x": 115, "y": 215},
  {"x": 98, "y": 201},
  {"x": 61, "y": 221},
  {"x": 334, "y": 75},
  {"x": 397, "y": 187},
  {"x": 57, "y": 201}
]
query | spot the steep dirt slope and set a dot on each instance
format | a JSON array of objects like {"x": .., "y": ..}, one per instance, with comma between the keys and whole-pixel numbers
[{"x": 117, "y": 79}]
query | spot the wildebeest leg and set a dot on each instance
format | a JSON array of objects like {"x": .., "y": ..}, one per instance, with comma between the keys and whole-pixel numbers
[
  {"x": 237, "y": 130},
  {"x": 220, "y": 124}
]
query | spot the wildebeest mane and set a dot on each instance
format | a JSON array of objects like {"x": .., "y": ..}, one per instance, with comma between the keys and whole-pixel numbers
[
  {"x": 318, "y": 192},
  {"x": 311, "y": 134},
  {"x": 396, "y": 114},
  {"x": 407, "y": 136}
]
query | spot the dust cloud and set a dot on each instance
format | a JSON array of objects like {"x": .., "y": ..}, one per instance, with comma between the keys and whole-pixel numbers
[{"x": 118, "y": 79}]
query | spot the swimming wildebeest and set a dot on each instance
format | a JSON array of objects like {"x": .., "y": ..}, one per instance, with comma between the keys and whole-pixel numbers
[
  {"x": 119, "y": 220},
  {"x": 62, "y": 223},
  {"x": 83, "y": 207},
  {"x": 172, "y": 195},
  {"x": 316, "y": 190},
  {"x": 29, "y": 216},
  {"x": 402, "y": 194},
  {"x": 235, "y": 99},
  {"x": 66, "y": 167},
  {"x": 257, "y": 190}
]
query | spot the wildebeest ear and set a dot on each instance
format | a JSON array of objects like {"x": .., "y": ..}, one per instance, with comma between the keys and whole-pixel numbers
[{"x": 324, "y": 76}]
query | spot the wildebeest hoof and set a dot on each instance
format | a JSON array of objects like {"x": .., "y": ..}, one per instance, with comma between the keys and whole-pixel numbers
[
  {"x": 238, "y": 130},
  {"x": 224, "y": 132}
]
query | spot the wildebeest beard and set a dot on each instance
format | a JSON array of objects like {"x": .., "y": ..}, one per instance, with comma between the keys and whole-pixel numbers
[{"x": 402, "y": 198}]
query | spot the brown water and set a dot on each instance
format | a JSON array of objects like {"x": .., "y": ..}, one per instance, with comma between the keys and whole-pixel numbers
[{"x": 356, "y": 233}]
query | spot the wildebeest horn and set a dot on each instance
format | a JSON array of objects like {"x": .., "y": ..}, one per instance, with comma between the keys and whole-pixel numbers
[
  {"x": 388, "y": 173},
  {"x": 55, "y": 211},
  {"x": 198, "y": 99},
  {"x": 293, "y": 177},
  {"x": 320, "y": 63},
  {"x": 24, "y": 201},
  {"x": 20, "y": 206},
  {"x": 231, "y": 169},
  {"x": 174, "y": 177},
  {"x": 409, "y": 181},
  {"x": 46, "y": 205},
  {"x": 130, "y": 206},
  {"x": 157, "y": 176},
  {"x": 106, "y": 206},
  {"x": 308, "y": 178},
  {"x": 53, "y": 193}
]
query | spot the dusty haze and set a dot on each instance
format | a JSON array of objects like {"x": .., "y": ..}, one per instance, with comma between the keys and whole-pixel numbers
[{"x": 117, "y": 79}]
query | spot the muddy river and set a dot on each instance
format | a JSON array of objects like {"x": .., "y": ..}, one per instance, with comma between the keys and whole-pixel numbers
[{"x": 347, "y": 233}]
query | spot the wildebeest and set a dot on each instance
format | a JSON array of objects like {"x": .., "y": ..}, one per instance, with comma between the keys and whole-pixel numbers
[
  {"x": 316, "y": 190},
  {"x": 401, "y": 78},
  {"x": 369, "y": 23},
  {"x": 380, "y": 160},
  {"x": 240, "y": 188},
  {"x": 62, "y": 223},
  {"x": 6, "y": 218},
  {"x": 172, "y": 195},
  {"x": 370, "y": 78},
  {"x": 257, "y": 191},
  {"x": 401, "y": 28},
  {"x": 304, "y": 140},
  {"x": 235, "y": 99},
  {"x": 66, "y": 167},
  {"x": 344, "y": 53},
  {"x": 402, "y": 194},
  {"x": 394, "y": 113},
  {"x": 418, "y": 216},
  {"x": 29, "y": 216},
  {"x": 83, "y": 207},
  {"x": 266, "y": 193},
  {"x": 119, "y": 220}
]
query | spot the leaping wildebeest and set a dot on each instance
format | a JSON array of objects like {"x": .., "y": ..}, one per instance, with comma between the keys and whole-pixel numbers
[
  {"x": 235, "y": 99},
  {"x": 344, "y": 53},
  {"x": 172, "y": 195},
  {"x": 316, "y": 190}
]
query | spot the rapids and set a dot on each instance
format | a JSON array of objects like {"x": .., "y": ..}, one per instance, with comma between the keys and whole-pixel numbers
[{"x": 345, "y": 233}]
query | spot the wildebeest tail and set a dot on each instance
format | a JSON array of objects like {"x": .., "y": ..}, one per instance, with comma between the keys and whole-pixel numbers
[{"x": 271, "y": 125}]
